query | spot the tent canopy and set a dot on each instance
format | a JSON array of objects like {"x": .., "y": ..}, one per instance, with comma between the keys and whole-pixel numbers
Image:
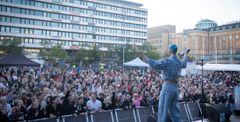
[
  {"x": 220, "y": 67},
  {"x": 136, "y": 63},
  {"x": 17, "y": 60}
]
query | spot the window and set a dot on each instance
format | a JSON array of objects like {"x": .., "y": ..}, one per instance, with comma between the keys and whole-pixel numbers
[
  {"x": 76, "y": 26},
  {"x": 6, "y": 19},
  {"x": 54, "y": 16},
  {"x": 54, "y": 24},
  {"x": 38, "y": 13},
  {"x": 224, "y": 38},
  {"x": 75, "y": 18},
  {"x": 16, "y": 20},
  {"x": 7, "y": 29},
  {"x": 3, "y": 8},
  {"x": 55, "y": 7},
  {"x": 31, "y": 21},
  {"x": 89, "y": 28},
  {"x": 37, "y": 41},
  {"x": 2, "y": 29},
  {"x": 38, "y": 32},
  {"x": 17, "y": 1},
  {"x": 16, "y": 10},
  {"x": 76, "y": 35},
  {"x": 237, "y": 36},
  {"x": 15, "y": 30},
  {"x": 37, "y": 22},
  {"x": 54, "y": 33},
  {"x": 38, "y": 4}
]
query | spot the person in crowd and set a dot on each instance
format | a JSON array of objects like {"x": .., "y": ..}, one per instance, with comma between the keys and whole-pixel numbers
[
  {"x": 52, "y": 108},
  {"x": 6, "y": 106},
  {"x": 15, "y": 115},
  {"x": 136, "y": 100},
  {"x": 34, "y": 111},
  {"x": 94, "y": 105},
  {"x": 127, "y": 103},
  {"x": 80, "y": 106},
  {"x": 68, "y": 104},
  {"x": 3, "y": 114},
  {"x": 72, "y": 92}
]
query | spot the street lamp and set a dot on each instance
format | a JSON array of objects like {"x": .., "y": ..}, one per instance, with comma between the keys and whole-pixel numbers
[
  {"x": 123, "y": 46},
  {"x": 231, "y": 48}
]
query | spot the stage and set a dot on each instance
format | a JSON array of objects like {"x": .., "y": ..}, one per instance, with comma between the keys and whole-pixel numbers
[{"x": 233, "y": 118}]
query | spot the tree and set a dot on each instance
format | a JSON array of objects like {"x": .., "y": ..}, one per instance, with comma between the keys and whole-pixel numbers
[
  {"x": 88, "y": 56},
  {"x": 11, "y": 46},
  {"x": 56, "y": 53},
  {"x": 150, "y": 51},
  {"x": 95, "y": 54},
  {"x": 82, "y": 55}
]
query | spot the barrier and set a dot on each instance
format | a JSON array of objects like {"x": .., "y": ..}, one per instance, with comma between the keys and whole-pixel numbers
[
  {"x": 125, "y": 116},
  {"x": 237, "y": 97},
  {"x": 143, "y": 113},
  {"x": 45, "y": 120},
  {"x": 106, "y": 116},
  {"x": 189, "y": 111},
  {"x": 194, "y": 110},
  {"x": 79, "y": 118},
  {"x": 183, "y": 112}
]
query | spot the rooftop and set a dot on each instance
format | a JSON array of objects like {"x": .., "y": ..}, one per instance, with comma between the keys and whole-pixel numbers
[
  {"x": 125, "y": 2},
  {"x": 235, "y": 25}
]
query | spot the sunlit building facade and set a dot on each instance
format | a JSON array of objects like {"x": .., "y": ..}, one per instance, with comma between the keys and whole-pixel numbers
[
  {"x": 217, "y": 42},
  {"x": 161, "y": 36}
]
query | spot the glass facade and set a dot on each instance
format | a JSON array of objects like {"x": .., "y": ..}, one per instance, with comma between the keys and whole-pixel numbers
[{"x": 74, "y": 22}]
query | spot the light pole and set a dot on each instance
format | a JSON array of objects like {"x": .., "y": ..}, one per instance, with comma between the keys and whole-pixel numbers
[
  {"x": 231, "y": 49},
  {"x": 123, "y": 52}
]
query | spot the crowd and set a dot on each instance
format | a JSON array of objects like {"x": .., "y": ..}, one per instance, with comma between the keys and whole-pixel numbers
[{"x": 37, "y": 93}]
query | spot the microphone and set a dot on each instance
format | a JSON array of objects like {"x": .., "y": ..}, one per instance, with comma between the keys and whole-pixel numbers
[{"x": 185, "y": 52}]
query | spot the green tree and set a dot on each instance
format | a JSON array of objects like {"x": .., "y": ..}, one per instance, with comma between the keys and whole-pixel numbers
[
  {"x": 82, "y": 55},
  {"x": 11, "y": 46},
  {"x": 130, "y": 51},
  {"x": 44, "y": 52},
  {"x": 88, "y": 56},
  {"x": 56, "y": 54},
  {"x": 95, "y": 54},
  {"x": 150, "y": 51}
]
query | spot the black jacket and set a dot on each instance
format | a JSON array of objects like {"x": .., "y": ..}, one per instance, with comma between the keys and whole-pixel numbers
[
  {"x": 31, "y": 113},
  {"x": 67, "y": 107}
]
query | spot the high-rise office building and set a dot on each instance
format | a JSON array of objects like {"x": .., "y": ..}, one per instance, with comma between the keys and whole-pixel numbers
[{"x": 74, "y": 24}]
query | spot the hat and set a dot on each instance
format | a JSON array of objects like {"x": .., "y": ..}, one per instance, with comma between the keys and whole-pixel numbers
[{"x": 173, "y": 48}]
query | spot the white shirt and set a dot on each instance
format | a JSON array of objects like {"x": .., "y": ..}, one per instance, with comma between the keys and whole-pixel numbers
[{"x": 93, "y": 106}]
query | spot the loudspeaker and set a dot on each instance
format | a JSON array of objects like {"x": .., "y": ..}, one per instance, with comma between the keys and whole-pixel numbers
[{"x": 214, "y": 111}]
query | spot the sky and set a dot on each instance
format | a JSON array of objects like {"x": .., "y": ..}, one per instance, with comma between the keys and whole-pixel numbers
[{"x": 184, "y": 14}]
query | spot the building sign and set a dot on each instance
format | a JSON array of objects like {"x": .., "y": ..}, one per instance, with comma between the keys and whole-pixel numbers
[
  {"x": 58, "y": 20},
  {"x": 74, "y": 47},
  {"x": 75, "y": 13}
]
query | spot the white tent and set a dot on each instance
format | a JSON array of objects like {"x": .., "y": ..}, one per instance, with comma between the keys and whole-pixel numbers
[
  {"x": 136, "y": 63},
  {"x": 220, "y": 67},
  {"x": 38, "y": 61}
]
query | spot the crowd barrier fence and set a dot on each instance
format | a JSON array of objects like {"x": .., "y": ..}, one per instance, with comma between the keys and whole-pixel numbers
[{"x": 189, "y": 111}]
